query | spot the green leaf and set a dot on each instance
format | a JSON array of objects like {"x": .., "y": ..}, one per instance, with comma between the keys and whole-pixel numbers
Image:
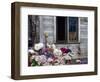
[{"x": 34, "y": 63}]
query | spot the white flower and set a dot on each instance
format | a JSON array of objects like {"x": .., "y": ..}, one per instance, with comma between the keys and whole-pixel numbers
[
  {"x": 67, "y": 56},
  {"x": 31, "y": 51},
  {"x": 53, "y": 46},
  {"x": 57, "y": 52},
  {"x": 41, "y": 59},
  {"x": 78, "y": 61},
  {"x": 48, "y": 45},
  {"x": 37, "y": 58},
  {"x": 50, "y": 60},
  {"x": 60, "y": 52},
  {"x": 41, "y": 45},
  {"x": 38, "y": 46}
]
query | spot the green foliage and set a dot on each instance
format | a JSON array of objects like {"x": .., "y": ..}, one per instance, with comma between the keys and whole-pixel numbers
[{"x": 34, "y": 63}]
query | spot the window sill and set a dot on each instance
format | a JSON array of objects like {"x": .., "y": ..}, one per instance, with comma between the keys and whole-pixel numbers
[
  {"x": 67, "y": 43},
  {"x": 73, "y": 43}
]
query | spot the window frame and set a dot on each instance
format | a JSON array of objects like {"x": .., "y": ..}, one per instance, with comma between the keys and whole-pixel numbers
[{"x": 66, "y": 41}]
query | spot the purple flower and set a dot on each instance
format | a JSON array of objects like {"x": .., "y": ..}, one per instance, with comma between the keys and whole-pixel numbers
[{"x": 65, "y": 50}]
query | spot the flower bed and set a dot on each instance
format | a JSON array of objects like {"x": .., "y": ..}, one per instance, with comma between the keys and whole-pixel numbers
[{"x": 42, "y": 55}]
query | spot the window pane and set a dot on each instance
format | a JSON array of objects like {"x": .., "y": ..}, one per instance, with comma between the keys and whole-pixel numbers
[
  {"x": 60, "y": 23},
  {"x": 73, "y": 29}
]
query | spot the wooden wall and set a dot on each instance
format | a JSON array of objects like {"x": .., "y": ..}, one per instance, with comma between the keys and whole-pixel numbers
[{"x": 48, "y": 24}]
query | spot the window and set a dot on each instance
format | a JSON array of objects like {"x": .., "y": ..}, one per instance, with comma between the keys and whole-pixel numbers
[
  {"x": 60, "y": 29},
  {"x": 66, "y": 29},
  {"x": 73, "y": 29}
]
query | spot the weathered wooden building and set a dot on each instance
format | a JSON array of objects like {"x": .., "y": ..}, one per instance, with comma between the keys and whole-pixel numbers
[{"x": 71, "y": 32}]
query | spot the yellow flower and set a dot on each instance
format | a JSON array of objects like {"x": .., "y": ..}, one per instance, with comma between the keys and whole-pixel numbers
[{"x": 45, "y": 34}]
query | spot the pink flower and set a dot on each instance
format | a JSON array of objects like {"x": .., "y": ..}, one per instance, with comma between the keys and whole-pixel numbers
[
  {"x": 50, "y": 60},
  {"x": 44, "y": 50}
]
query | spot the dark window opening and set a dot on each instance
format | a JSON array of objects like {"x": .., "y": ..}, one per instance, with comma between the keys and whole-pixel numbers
[{"x": 61, "y": 29}]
